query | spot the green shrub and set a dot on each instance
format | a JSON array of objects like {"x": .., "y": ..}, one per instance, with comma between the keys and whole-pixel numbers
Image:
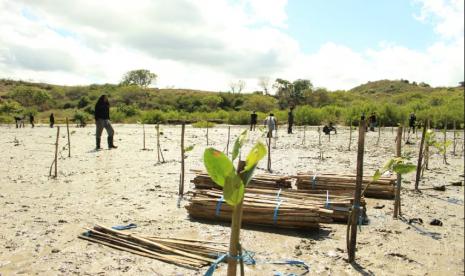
[
  {"x": 153, "y": 117},
  {"x": 203, "y": 124}
]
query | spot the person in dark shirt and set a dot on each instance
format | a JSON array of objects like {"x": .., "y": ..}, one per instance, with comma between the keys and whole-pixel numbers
[
  {"x": 411, "y": 122},
  {"x": 372, "y": 121},
  {"x": 253, "y": 120},
  {"x": 102, "y": 120},
  {"x": 327, "y": 129},
  {"x": 290, "y": 120},
  {"x": 31, "y": 119},
  {"x": 52, "y": 120}
]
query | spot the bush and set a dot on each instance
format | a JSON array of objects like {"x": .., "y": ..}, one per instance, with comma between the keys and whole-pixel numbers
[
  {"x": 203, "y": 124},
  {"x": 128, "y": 110},
  {"x": 80, "y": 117},
  {"x": 153, "y": 117},
  {"x": 83, "y": 102}
]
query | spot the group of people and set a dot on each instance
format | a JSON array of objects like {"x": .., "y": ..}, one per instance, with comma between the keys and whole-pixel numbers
[
  {"x": 271, "y": 123},
  {"x": 19, "y": 120}
]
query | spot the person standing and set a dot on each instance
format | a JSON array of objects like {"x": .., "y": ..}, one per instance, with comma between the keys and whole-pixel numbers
[
  {"x": 253, "y": 120},
  {"x": 102, "y": 120},
  {"x": 31, "y": 119},
  {"x": 411, "y": 122},
  {"x": 290, "y": 120},
  {"x": 271, "y": 124},
  {"x": 372, "y": 121},
  {"x": 52, "y": 120}
]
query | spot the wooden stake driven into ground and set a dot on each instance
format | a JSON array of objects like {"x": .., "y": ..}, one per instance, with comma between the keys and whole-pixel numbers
[
  {"x": 399, "y": 177},
  {"x": 303, "y": 138},
  {"x": 379, "y": 135},
  {"x": 350, "y": 134},
  {"x": 268, "y": 167},
  {"x": 445, "y": 146},
  {"x": 227, "y": 142},
  {"x": 207, "y": 134},
  {"x": 69, "y": 138},
  {"x": 181, "y": 183},
  {"x": 354, "y": 218},
  {"x": 420, "y": 156},
  {"x": 56, "y": 152},
  {"x": 236, "y": 224},
  {"x": 159, "y": 151},
  {"x": 143, "y": 138},
  {"x": 455, "y": 139}
]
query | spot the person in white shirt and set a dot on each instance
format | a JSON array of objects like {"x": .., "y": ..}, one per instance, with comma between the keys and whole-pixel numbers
[{"x": 272, "y": 124}]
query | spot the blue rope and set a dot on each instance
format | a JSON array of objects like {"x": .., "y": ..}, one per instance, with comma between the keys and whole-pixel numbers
[
  {"x": 327, "y": 205},
  {"x": 360, "y": 218},
  {"x": 278, "y": 203},
  {"x": 247, "y": 257},
  {"x": 218, "y": 205},
  {"x": 292, "y": 262},
  {"x": 314, "y": 181},
  {"x": 124, "y": 227}
]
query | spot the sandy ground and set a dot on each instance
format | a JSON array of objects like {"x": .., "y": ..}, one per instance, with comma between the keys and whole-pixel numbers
[{"x": 41, "y": 217}]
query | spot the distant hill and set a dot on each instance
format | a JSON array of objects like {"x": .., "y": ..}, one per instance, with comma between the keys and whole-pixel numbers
[{"x": 391, "y": 87}]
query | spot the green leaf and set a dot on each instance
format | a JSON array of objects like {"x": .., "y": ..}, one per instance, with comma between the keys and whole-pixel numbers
[
  {"x": 218, "y": 165},
  {"x": 189, "y": 148},
  {"x": 389, "y": 164},
  {"x": 233, "y": 190},
  {"x": 404, "y": 168},
  {"x": 255, "y": 155},
  {"x": 377, "y": 175},
  {"x": 240, "y": 141}
]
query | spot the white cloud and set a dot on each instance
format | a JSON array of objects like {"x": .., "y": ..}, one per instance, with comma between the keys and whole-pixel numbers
[{"x": 204, "y": 44}]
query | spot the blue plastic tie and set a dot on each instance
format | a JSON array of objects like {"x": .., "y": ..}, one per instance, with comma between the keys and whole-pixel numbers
[
  {"x": 275, "y": 214},
  {"x": 327, "y": 205},
  {"x": 246, "y": 257},
  {"x": 218, "y": 205},
  {"x": 360, "y": 218},
  {"x": 124, "y": 227},
  {"x": 314, "y": 181}
]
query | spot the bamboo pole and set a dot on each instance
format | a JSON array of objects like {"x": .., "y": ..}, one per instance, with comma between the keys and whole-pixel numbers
[
  {"x": 181, "y": 182},
  {"x": 159, "y": 151},
  {"x": 227, "y": 142},
  {"x": 379, "y": 135},
  {"x": 445, "y": 147},
  {"x": 350, "y": 134},
  {"x": 303, "y": 139},
  {"x": 143, "y": 137},
  {"x": 207, "y": 134},
  {"x": 69, "y": 138},
  {"x": 455, "y": 139},
  {"x": 358, "y": 191},
  {"x": 319, "y": 136},
  {"x": 56, "y": 152},
  {"x": 420, "y": 157},
  {"x": 269, "y": 154},
  {"x": 399, "y": 176},
  {"x": 236, "y": 223}
]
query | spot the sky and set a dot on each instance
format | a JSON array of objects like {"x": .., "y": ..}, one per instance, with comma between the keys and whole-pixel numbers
[{"x": 209, "y": 44}]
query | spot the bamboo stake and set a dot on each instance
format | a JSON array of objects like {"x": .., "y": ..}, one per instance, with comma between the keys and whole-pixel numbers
[
  {"x": 303, "y": 139},
  {"x": 455, "y": 138},
  {"x": 207, "y": 133},
  {"x": 69, "y": 138},
  {"x": 379, "y": 134},
  {"x": 350, "y": 134},
  {"x": 319, "y": 136},
  {"x": 181, "y": 183},
  {"x": 427, "y": 148},
  {"x": 399, "y": 176},
  {"x": 420, "y": 157},
  {"x": 445, "y": 147},
  {"x": 143, "y": 139},
  {"x": 358, "y": 190},
  {"x": 269, "y": 155},
  {"x": 227, "y": 143},
  {"x": 159, "y": 151},
  {"x": 236, "y": 223},
  {"x": 56, "y": 152}
]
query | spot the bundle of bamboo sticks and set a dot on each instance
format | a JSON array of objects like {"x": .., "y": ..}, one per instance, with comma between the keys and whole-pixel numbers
[
  {"x": 281, "y": 209},
  {"x": 267, "y": 181},
  {"x": 382, "y": 188},
  {"x": 183, "y": 252}
]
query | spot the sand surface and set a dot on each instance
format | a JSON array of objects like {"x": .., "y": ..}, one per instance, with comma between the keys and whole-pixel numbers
[{"x": 41, "y": 217}]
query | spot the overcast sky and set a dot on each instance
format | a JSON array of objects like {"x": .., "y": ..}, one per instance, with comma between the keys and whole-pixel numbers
[{"x": 206, "y": 44}]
